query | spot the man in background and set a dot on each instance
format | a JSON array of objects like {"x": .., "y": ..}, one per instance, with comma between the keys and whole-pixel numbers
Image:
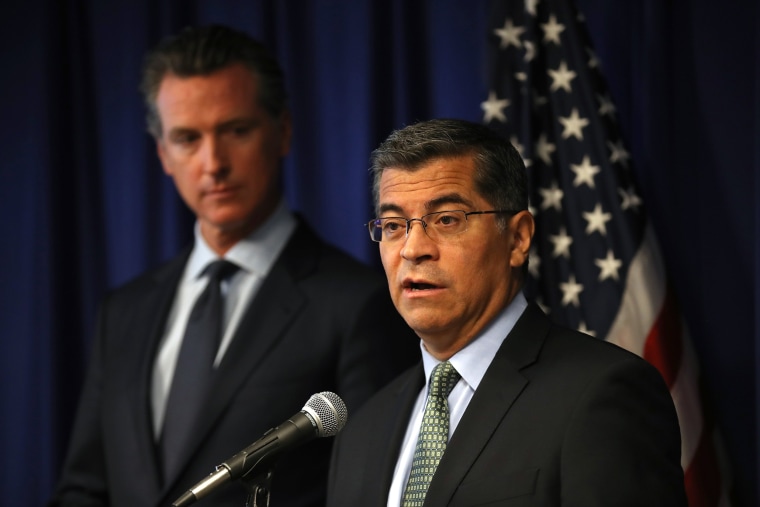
[
  {"x": 198, "y": 358},
  {"x": 505, "y": 408}
]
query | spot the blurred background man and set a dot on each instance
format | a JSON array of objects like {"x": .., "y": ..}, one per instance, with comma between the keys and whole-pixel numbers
[{"x": 198, "y": 358}]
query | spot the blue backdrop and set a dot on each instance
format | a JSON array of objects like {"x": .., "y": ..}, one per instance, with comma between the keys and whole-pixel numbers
[{"x": 84, "y": 205}]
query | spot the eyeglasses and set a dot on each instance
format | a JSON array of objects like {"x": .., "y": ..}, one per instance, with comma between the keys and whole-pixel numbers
[{"x": 437, "y": 225}]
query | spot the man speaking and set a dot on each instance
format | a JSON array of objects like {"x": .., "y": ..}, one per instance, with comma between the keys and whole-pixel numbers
[{"x": 505, "y": 408}]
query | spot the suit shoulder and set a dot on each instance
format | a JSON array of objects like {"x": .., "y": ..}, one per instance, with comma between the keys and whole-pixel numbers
[
  {"x": 309, "y": 255},
  {"x": 167, "y": 272},
  {"x": 568, "y": 349}
]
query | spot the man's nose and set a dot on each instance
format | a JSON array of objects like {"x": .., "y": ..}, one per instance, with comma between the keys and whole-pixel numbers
[
  {"x": 214, "y": 156},
  {"x": 417, "y": 244}
]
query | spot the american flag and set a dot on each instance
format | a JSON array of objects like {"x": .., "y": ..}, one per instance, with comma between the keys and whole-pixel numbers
[{"x": 595, "y": 264}]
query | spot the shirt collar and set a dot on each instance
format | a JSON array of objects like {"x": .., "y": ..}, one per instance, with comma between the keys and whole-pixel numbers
[
  {"x": 473, "y": 360},
  {"x": 255, "y": 253}
]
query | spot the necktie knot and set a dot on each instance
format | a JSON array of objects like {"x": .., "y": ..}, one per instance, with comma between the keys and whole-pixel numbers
[
  {"x": 443, "y": 379},
  {"x": 219, "y": 270}
]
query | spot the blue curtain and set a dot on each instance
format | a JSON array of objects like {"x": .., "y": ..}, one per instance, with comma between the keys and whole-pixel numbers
[{"x": 84, "y": 205}]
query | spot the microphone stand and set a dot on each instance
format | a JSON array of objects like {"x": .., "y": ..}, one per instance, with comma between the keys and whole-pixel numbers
[{"x": 258, "y": 487}]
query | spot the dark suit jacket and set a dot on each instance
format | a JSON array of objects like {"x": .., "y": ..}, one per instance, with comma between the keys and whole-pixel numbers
[
  {"x": 318, "y": 323},
  {"x": 559, "y": 419}
]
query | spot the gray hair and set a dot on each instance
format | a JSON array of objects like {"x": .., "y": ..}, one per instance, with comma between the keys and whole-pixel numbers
[{"x": 500, "y": 174}]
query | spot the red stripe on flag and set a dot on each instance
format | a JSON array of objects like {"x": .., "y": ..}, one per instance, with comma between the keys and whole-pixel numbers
[
  {"x": 702, "y": 478},
  {"x": 664, "y": 347}
]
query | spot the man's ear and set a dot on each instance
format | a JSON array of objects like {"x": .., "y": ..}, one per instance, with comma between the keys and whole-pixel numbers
[{"x": 522, "y": 227}]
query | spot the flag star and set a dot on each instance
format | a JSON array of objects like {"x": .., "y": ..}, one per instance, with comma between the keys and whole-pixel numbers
[
  {"x": 619, "y": 153},
  {"x": 494, "y": 108},
  {"x": 583, "y": 329},
  {"x": 630, "y": 199},
  {"x": 606, "y": 107},
  {"x": 608, "y": 267},
  {"x": 509, "y": 35},
  {"x": 562, "y": 243},
  {"x": 530, "y": 50},
  {"x": 545, "y": 149},
  {"x": 534, "y": 262},
  {"x": 521, "y": 76},
  {"x": 593, "y": 61},
  {"x": 573, "y": 125},
  {"x": 570, "y": 292},
  {"x": 584, "y": 172},
  {"x": 561, "y": 77},
  {"x": 552, "y": 29},
  {"x": 597, "y": 220},
  {"x": 530, "y": 6},
  {"x": 552, "y": 197}
]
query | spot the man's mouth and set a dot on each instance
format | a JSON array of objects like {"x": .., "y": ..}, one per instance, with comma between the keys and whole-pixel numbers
[{"x": 417, "y": 286}]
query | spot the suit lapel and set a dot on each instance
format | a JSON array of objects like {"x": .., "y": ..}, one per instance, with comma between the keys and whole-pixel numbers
[
  {"x": 150, "y": 312},
  {"x": 399, "y": 415},
  {"x": 501, "y": 386},
  {"x": 387, "y": 434}
]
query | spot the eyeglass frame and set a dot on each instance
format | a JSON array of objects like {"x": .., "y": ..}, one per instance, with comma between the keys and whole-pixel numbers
[{"x": 421, "y": 220}]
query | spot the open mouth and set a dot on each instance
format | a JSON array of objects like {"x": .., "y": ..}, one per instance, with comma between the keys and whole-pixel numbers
[{"x": 414, "y": 286}]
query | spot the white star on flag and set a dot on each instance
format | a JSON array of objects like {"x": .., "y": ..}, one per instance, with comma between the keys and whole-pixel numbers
[
  {"x": 570, "y": 291},
  {"x": 552, "y": 29},
  {"x": 534, "y": 263},
  {"x": 545, "y": 149},
  {"x": 618, "y": 153},
  {"x": 630, "y": 199},
  {"x": 530, "y": 51},
  {"x": 573, "y": 125},
  {"x": 562, "y": 243},
  {"x": 608, "y": 267},
  {"x": 552, "y": 197},
  {"x": 509, "y": 35},
  {"x": 561, "y": 78},
  {"x": 597, "y": 220},
  {"x": 494, "y": 108},
  {"x": 530, "y": 7},
  {"x": 606, "y": 107},
  {"x": 584, "y": 172}
]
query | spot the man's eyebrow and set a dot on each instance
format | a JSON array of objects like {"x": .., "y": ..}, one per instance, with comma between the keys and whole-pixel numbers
[
  {"x": 384, "y": 208},
  {"x": 238, "y": 121},
  {"x": 432, "y": 204},
  {"x": 446, "y": 200},
  {"x": 181, "y": 130}
]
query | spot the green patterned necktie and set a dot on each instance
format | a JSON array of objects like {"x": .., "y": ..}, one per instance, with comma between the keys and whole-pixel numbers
[{"x": 434, "y": 434}]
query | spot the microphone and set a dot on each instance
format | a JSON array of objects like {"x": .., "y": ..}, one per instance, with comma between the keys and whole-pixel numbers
[{"x": 324, "y": 415}]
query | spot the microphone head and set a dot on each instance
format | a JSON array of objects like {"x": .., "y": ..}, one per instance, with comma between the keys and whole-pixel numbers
[{"x": 328, "y": 411}]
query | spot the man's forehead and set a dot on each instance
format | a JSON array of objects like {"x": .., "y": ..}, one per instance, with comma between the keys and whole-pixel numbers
[
  {"x": 432, "y": 176},
  {"x": 428, "y": 188}
]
